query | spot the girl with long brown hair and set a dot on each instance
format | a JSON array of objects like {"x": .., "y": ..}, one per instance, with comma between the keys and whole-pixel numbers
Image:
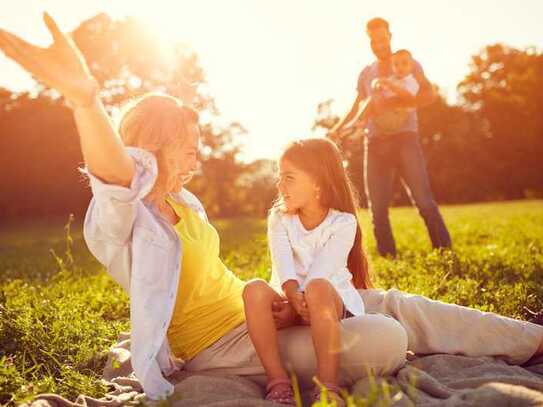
[{"x": 317, "y": 262}]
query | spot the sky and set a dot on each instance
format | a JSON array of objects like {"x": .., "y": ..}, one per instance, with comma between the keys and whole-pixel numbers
[{"x": 269, "y": 63}]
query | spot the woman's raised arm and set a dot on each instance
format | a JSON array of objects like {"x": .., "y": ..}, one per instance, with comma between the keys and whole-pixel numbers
[{"x": 62, "y": 66}]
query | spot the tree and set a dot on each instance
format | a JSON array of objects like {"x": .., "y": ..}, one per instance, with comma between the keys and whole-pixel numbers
[
  {"x": 487, "y": 147},
  {"x": 505, "y": 87},
  {"x": 450, "y": 136},
  {"x": 257, "y": 187},
  {"x": 39, "y": 142}
]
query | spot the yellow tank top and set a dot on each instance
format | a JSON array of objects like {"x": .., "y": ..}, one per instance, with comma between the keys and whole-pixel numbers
[{"x": 209, "y": 302}]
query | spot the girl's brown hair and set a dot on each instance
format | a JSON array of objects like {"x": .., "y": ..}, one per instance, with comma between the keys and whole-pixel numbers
[
  {"x": 321, "y": 159},
  {"x": 157, "y": 123}
]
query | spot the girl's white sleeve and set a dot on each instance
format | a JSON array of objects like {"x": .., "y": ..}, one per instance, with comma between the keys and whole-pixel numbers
[
  {"x": 333, "y": 255},
  {"x": 282, "y": 257}
]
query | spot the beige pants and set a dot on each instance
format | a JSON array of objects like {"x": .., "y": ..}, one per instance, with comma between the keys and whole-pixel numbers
[
  {"x": 438, "y": 327},
  {"x": 377, "y": 343}
]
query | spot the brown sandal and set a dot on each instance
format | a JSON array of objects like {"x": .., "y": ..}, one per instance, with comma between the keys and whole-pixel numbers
[{"x": 280, "y": 391}]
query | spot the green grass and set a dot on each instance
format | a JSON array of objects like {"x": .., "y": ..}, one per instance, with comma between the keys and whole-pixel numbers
[{"x": 59, "y": 312}]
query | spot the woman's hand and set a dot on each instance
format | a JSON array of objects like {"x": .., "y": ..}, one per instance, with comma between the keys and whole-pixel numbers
[{"x": 60, "y": 66}]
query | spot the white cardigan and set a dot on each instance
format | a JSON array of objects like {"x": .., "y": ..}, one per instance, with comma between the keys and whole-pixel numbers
[
  {"x": 304, "y": 255},
  {"x": 142, "y": 252}
]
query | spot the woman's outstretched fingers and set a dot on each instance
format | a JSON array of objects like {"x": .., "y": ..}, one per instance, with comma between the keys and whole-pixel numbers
[
  {"x": 4, "y": 44},
  {"x": 19, "y": 43},
  {"x": 19, "y": 50},
  {"x": 60, "y": 66},
  {"x": 52, "y": 26},
  {"x": 60, "y": 38}
]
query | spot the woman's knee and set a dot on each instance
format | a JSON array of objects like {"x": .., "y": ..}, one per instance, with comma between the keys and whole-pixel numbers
[
  {"x": 372, "y": 344},
  {"x": 257, "y": 291}
]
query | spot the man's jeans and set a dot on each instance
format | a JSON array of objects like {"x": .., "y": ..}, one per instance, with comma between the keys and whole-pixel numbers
[{"x": 387, "y": 157}]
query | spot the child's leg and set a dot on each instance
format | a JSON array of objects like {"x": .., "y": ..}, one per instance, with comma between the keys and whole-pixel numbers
[
  {"x": 258, "y": 297},
  {"x": 325, "y": 311}
]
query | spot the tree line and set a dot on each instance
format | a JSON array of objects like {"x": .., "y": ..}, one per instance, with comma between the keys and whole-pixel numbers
[{"x": 487, "y": 146}]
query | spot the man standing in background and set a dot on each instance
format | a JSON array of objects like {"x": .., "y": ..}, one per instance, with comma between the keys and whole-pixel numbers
[{"x": 392, "y": 146}]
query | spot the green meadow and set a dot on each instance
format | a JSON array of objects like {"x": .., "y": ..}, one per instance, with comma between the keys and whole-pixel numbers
[{"x": 59, "y": 311}]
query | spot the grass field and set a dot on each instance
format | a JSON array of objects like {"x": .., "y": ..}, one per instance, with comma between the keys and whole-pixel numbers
[{"x": 59, "y": 312}]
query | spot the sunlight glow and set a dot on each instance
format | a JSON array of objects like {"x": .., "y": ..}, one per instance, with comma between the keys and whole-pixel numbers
[{"x": 269, "y": 64}]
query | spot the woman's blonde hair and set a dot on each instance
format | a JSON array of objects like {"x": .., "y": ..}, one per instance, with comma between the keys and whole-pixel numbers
[
  {"x": 321, "y": 159},
  {"x": 157, "y": 123}
]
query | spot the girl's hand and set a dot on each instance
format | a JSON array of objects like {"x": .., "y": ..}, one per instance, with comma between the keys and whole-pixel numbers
[
  {"x": 305, "y": 320},
  {"x": 60, "y": 66},
  {"x": 296, "y": 298},
  {"x": 284, "y": 314},
  {"x": 300, "y": 306}
]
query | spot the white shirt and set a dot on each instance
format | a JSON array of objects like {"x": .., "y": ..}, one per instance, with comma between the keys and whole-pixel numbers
[
  {"x": 303, "y": 255},
  {"x": 408, "y": 82},
  {"x": 142, "y": 252}
]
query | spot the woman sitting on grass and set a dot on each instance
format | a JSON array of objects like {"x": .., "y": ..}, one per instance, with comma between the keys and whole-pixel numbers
[{"x": 155, "y": 240}]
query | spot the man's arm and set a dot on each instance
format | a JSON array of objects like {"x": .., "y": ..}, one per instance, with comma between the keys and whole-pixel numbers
[
  {"x": 353, "y": 114},
  {"x": 405, "y": 95},
  {"x": 425, "y": 96},
  {"x": 365, "y": 113}
]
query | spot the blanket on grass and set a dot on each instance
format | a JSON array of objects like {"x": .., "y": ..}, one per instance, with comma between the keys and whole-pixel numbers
[{"x": 426, "y": 381}]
